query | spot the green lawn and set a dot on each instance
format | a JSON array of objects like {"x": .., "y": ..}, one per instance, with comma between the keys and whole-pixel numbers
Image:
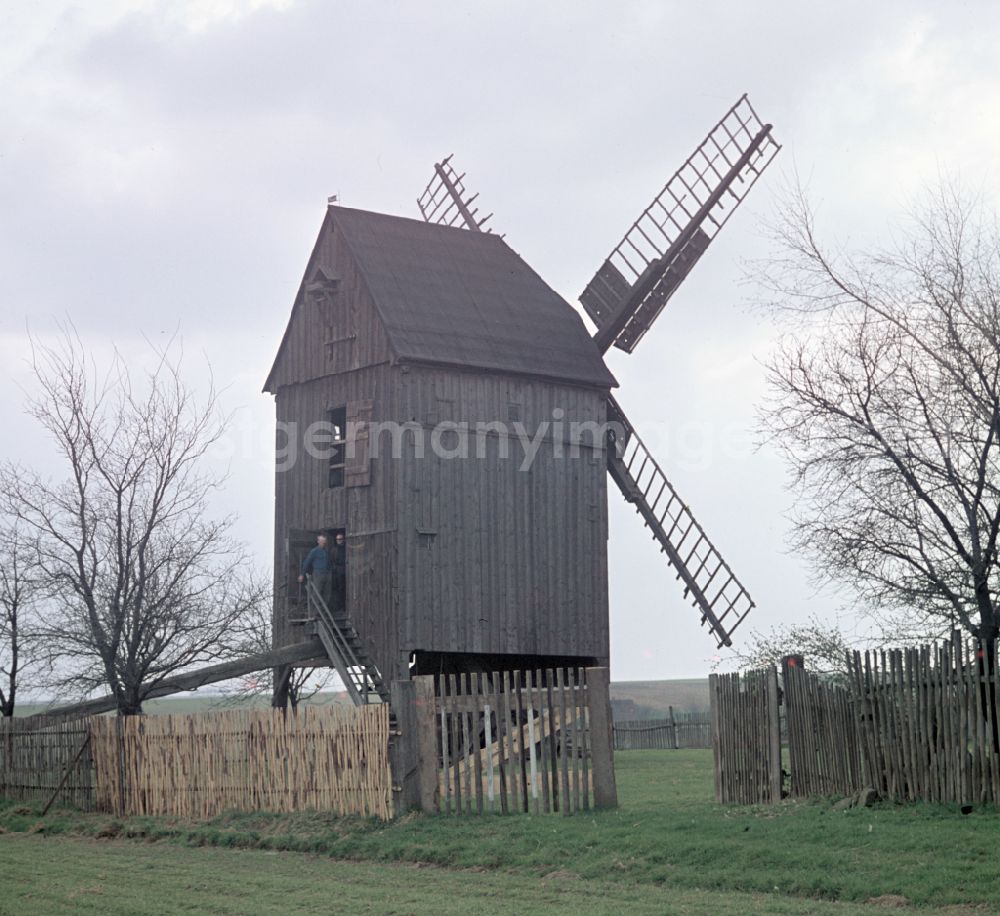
[
  {"x": 668, "y": 848},
  {"x": 53, "y": 876}
]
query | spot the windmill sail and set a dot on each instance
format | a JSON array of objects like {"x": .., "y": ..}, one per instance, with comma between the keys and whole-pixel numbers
[
  {"x": 708, "y": 580},
  {"x": 446, "y": 202},
  {"x": 634, "y": 283}
]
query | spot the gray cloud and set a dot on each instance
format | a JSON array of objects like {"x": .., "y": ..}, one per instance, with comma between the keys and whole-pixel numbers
[{"x": 160, "y": 173}]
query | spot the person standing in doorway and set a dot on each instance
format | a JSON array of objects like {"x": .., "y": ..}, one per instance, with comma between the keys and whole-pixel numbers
[
  {"x": 338, "y": 561},
  {"x": 318, "y": 567}
]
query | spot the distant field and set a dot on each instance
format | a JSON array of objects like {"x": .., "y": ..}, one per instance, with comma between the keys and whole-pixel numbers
[
  {"x": 202, "y": 702},
  {"x": 651, "y": 699},
  {"x": 655, "y": 697}
]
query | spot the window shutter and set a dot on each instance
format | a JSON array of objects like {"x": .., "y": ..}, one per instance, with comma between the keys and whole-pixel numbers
[{"x": 357, "y": 471}]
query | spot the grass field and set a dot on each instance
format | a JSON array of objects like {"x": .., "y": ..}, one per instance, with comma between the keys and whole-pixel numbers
[{"x": 668, "y": 848}]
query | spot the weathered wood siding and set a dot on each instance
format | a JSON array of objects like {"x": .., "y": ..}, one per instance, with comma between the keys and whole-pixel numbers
[
  {"x": 329, "y": 339},
  {"x": 304, "y": 502},
  {"x": 461, "y": 555},
  {"x": 457, "y": 554},
  {"x": 336, "y": 354},
  {"x": 495, "y": 557}
]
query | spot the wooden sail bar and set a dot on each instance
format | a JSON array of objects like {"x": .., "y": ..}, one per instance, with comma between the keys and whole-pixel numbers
[{"x": 708, "y": 580}]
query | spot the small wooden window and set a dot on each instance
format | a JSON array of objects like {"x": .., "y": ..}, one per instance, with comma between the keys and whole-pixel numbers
[
  {"x": 322, "y": 291},
  {"x": 338, "y": 447}
]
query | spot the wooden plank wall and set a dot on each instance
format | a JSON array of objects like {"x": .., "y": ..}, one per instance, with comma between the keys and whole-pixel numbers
[
  {"x": 457, "y": 555},
  {"x": 325, "y": 758},
  {"x": 33, "y": 762},
  {"x": 521, "y": 742},
  {"x": 495, "y": 558},
  {"x": 674, "y": 732},
  {"x": 304, "y": 501},
  {"x": 338, "y": 336},
  {"x": 337, "y": 354}
]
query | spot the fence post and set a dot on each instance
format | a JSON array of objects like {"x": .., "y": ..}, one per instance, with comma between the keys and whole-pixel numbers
[
  {"x": 425, "y": 726},
  {"x": 403, "y": 748},
  {"x": 774, "y": 733},
  {"x": 673, "y": 728},
  {"x": 6, "y": 750},
  {"x": 797, "y": 725},
  {"x": 713, "y": 704},
  {"x": 602, "y": 747}
]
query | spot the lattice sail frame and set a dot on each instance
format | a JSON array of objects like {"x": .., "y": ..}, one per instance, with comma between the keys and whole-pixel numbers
[
  {"x": 446, "y": 202},
  {"x": 672, "y": 233},
  {"x": 657, "y": 252},
  {"x": 709, "y": 581}
]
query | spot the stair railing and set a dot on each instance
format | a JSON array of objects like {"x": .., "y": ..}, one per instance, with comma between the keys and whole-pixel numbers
[{"x": 359, "y": 675}]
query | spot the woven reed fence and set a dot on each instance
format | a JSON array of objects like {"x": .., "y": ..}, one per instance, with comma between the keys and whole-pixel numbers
[
  {"x": 676, "y": 731},
  {"x": 928, "y": 721},
  {"x": 326, "y": 758},
  {"x": 36, "y": 761}
]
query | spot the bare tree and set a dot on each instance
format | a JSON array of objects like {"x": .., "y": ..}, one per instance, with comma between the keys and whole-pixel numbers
[
  {"x": 19, "y": 593},
  {"x": 141, "y": 582},
  {"x": 886, "y": 402}
]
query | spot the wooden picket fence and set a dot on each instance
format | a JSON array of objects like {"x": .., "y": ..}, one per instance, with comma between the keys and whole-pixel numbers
[
  {"x": 532, "y": 741},
  {"x": 50, "y": 762},
  {"x": 746, "y": 737},
  {"x": 912, "y": 724},
  {"x": 822, "y": 736},
  {"x": 928, "y": 721},
  {"x": 674, "y": 732},
  {"x": 326, "y": 758},
  {"x": 535, "y": 742}
]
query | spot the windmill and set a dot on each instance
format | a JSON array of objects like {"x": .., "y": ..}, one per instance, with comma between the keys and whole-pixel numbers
[
  {"x": 623, "y": 299},
  {"x": 470, "y": 566}
]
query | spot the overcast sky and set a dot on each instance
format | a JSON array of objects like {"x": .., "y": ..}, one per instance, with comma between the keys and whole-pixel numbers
[{"x": 165, "y": 167}]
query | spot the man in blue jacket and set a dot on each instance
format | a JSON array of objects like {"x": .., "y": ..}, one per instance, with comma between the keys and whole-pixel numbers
[{"x": 318, "y": 567}]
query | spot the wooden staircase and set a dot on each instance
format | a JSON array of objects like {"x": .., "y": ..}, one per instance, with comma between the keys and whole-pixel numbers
[
  {"x": 708, "y": 580},
  {"x": 346, "y": 651}
]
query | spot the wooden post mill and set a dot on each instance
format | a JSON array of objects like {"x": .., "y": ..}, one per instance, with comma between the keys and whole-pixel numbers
[{"x": 442, "y": 406}]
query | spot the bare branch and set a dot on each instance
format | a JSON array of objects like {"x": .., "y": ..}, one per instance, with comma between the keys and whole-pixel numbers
[
  {"x": 140, "y": 581},
  {"x": 885, "y": 400}
]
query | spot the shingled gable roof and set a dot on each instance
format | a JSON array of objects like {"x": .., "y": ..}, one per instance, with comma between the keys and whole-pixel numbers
[{"x": 453, "y": 297}]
